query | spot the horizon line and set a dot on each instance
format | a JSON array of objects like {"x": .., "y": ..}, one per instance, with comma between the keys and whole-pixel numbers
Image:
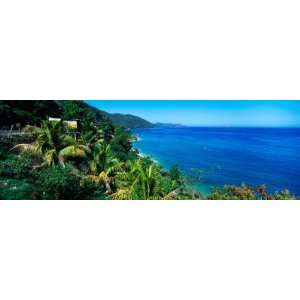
[{"x": 220, "y": 126}]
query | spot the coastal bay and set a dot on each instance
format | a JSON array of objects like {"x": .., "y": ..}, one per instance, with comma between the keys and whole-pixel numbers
[{"x": 212, "y": 156}]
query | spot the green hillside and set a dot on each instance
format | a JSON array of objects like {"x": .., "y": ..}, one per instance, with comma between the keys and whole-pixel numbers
[
  {"x": 121, "y": 120},
  {"x": 49, "y": 160},
  {"x": 27, "y": 112},
  {"x": 33, "y": 112},
  {"x": 129, "y": 121}
]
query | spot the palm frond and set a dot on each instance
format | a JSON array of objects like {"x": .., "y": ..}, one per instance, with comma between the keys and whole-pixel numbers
[
  {"x": 32, "y": 148},
  {"x": 50, "y": 157},
  {"x": 74, "y": 151},
  {"x": 122, "y": 194}
]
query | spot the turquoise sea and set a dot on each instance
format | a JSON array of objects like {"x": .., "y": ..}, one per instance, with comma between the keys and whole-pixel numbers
[{"x": 216, "y": 156}]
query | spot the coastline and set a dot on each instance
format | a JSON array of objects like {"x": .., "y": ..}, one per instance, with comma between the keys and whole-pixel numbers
[
  {"x": 228, "y": 156},
  {"x": 201, "y": 188},
  {"x": 143, "y": 155}
]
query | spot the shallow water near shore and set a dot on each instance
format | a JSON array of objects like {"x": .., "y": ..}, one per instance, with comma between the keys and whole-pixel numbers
[{"x": 216, "y": 156}]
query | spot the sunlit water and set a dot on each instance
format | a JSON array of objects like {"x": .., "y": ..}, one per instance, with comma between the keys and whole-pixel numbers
[{"x": 217, "y": 156}]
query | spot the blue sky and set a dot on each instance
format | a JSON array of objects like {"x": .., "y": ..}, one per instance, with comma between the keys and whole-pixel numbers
[{"x": 256, "y": 113}]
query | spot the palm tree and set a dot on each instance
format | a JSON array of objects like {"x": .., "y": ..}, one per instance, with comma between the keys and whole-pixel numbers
[
  {"x": 127, "y": 182},
  {"x": 107, "y": 176},
  {"x": 44, "y": 145},
  {"x": 73, "y": 150},
  {"x": 54, "y": 145},
  {"x": 148, "y": 180},
  {"x": 104, "y": 166},
  {"x": 93, "y": 137},
  {"x": 139, "y": 182}
]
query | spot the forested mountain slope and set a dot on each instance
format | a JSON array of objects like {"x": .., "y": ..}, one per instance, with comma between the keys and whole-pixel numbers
[{"x": 33, "y": 112}]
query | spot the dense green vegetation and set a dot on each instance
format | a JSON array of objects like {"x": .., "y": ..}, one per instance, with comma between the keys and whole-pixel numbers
[
  {"x": 27, "y": 112},
  {"x": 52, "y": 161},
  {"x": 129, "y": 121},
  {"x": 244, "y": 192},
  {"x": 34, "y": 112}
]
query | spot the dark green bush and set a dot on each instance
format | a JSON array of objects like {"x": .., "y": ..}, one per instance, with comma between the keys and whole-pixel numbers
[
  {"x": 13, "y": 189},
  {"x": 175, "y": 174},
  {"x": 65, "y": 183},
  {"x": 17, "y": 166},
  {"x": 89, "y": 190},
  {"x": 121, "y": 145},
  {"x": 3, "y": 153},
  {"x": 58, "y": 183}
]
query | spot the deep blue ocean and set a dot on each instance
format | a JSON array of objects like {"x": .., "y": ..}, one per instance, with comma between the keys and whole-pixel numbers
[{"x": 217, "y": 156}]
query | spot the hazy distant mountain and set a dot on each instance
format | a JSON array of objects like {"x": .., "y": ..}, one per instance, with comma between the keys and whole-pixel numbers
[
  {"x": 33, "y": 112},
  {"x": 123, "y": 120},
  {"x": 168, "y": 125},
  {"x": 129, "y": 121}
]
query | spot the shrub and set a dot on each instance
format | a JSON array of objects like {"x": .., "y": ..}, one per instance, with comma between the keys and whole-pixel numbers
[
  {"x": 282, "y": 195},
  {"x": 17, "y": 167},
  {"x": 12, "y": 189},
  {"x": 232, "y": 192},
  {"x": 121, "y": 144},
  {"x": 31, "y": 132},
  {"x": 244, "y": 192},
  {"x": 89, "y": 190},
  {"x": 65, "y": 183},
  {"x": 175, "y": 174},
  {"x": 58, "y": 183},
  {"x": 3, "y": 153}
]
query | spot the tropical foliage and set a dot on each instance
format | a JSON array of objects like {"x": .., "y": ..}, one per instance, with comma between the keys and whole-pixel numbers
[
  {"x": 57, "y": 163},
  {"x": 98, "y": 162},
  {"x": 33, "y": 112},
  {"x": 53, "y": 145},
  {"x": 244, "y": 192}
]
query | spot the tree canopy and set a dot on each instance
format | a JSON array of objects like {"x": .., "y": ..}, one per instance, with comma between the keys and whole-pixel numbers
[{"x": 54, "y": 162}]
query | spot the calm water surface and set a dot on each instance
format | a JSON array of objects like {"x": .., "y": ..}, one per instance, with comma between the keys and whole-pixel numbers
[{"x": 218, "y": 156}]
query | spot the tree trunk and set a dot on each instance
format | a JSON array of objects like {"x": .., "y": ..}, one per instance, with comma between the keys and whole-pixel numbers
[{"x": 107, "y": 186}]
